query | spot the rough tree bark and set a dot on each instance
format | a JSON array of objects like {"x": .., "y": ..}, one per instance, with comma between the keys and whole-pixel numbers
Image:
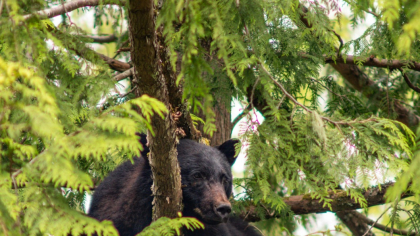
[
  {"x": 223, "y": 124},
  {"x": 152, "y": 79}
]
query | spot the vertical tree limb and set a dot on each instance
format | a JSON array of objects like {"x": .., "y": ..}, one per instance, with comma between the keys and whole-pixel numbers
[{"x": 150, "y": 79}]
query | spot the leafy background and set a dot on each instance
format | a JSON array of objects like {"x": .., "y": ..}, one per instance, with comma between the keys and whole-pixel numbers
[{"x": 74, "y": 127}]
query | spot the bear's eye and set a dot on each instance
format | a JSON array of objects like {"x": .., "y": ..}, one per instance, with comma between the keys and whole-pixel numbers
[{"x": 198, "y": 176}]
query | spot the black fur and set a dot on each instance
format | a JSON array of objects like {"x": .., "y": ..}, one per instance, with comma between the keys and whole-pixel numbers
[{"x": 125, "y": 197}]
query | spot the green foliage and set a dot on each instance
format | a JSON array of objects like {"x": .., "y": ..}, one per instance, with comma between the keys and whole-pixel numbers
[
  {"x": 408, "y": 180},
  {"x": 299, "y": 156},
  {"x": 57, "y": 138},
  {"x": 62, "y": 130},
  {"x": 166, "y": 227}
]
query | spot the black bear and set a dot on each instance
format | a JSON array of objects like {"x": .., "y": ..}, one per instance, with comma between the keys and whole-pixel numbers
[{"x": 125, "y": 196}]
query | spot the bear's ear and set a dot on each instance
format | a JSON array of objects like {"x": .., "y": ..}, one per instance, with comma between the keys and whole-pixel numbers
[
  {"x": 143, "y": 141},
  {"x": 228, "y": 148}
]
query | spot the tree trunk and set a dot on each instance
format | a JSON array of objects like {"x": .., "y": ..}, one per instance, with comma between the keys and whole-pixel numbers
[
  {"x": 153, "y": 79},
  {"x": 223, "y": 124}
]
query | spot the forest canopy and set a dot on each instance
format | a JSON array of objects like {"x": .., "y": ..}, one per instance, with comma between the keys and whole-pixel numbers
[{"x": 340, "y": 113}]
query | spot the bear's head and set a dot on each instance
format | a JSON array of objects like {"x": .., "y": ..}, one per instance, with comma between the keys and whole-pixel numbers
[{"x": 206, "y": 179}]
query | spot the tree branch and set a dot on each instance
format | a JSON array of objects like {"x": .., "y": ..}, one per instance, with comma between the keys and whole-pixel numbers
[
  {"x": 113, "y": 63},
  {"x": 82, "y": 50},
  {"x": 124, "y": 74},
  {"x": 407, "y": 80},
  {"x": 304, "y": 204},
  {"x": 103, "y": 38},
  {"x": 369, "y": 88},
  {"x": 240, "y": 116},
  {"x": 71, "y": 6},
  {"x": 380, "y": 226},
  {"x": 373, "y": 62}
]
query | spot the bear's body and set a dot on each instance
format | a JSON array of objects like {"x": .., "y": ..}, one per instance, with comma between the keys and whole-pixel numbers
[{"x": 125, "y": 196}]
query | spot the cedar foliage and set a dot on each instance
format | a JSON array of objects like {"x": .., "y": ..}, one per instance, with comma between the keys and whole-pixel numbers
[{"x": 61, "y": 130}]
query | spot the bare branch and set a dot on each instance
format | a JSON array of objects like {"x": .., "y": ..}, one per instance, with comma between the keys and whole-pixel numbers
[
  {"x": 240, "y": 116},
  {"x": 113, "y": 64},
  {"x": 124, "y": 75},
  {"x": 304, "y": 204},
  {"x": 125, "y": 94},
  {"x": 341, "y": 42},
  {"x": 103, "y": 38},
  {"x": 407, "y": 80},
  {"x": 122, "y": 48},
  {"x": 71, "y": 6}
]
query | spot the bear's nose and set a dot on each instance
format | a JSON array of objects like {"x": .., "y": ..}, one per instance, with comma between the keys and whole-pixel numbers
[{"x": 223, "y": 210}]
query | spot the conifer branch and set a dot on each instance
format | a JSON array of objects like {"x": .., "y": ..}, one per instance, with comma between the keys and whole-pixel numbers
[
  {"x": 71, "y": 6},
  {"x": 287, "y": 94},
  {"x": 362, "y": 83},
  {"x": 81, "y": 50},
  {"x": 341, "y": 201},
  {"x": 373, "y": 62}
]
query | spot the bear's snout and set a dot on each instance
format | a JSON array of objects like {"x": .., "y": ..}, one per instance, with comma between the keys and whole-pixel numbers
[
  {"x": 215, "y": 206},
  {"x": 223, "y": 210}
]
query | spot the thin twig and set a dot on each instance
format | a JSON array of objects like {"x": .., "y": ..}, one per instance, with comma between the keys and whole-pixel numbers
[
  {"x": 281, "y": 101},
  {"x": 341, "y": 42},
  {"x": 411, "y": 218},
  {"x": 70, "y": 6},
  {"x": 119, "y": 50},
  {"x": 240, "y": 116},
  {"x": 287, "y": 94},
  {"x": 252, "y": 92},
  {"x": 319, "y": 82},
  {"x": 368, "y": 221},
  {"x": 381, "y": 226},
  {"x": 123, "y": 95},
  {"x": 407, "y": 80},
  {"x": 16, "y": 173},
  {"x": 370, "y": 12},
  {"x": 394, "y": 213}
]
